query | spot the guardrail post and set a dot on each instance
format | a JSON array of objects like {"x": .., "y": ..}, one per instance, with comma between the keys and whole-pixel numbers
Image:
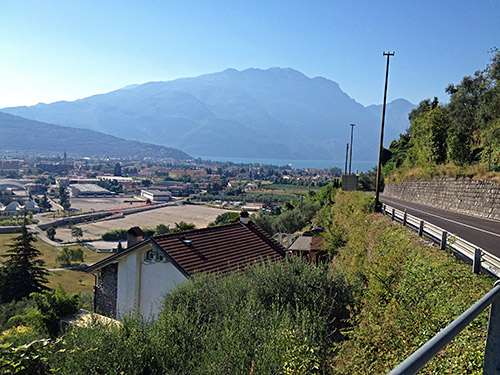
[
  {"x": 491, "y": 364},
  {"x": 393, "y": 213},
  {"x": 405, "y": 219},
  {"x": 384, "y": 209},
  {"x": 443, "y": 240},
  {"x": 421, "y": 228},
  {"x": 476, "y": 263}
]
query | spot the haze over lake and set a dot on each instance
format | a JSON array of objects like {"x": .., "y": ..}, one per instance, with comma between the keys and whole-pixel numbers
[{"x": 361, "y": 166}]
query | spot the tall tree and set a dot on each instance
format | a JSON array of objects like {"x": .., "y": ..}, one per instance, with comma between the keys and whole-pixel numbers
[
  {"x": 77, "y": 232},
  {"x": 44, "y": 202},
  {"x": 23, "y": 273},
  {"x": 429, "y": 136},
  {"x": 64, "y": 198},
  {"x": 118, "y": 169},
  {"x": 463, "y": 109}
]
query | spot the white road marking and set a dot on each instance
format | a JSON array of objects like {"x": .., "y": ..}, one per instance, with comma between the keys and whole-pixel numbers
[{"x": 455, "y": 222}]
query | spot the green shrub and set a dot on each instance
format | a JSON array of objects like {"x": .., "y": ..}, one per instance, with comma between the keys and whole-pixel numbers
[
  {"x": 277, "y": 316},
  {"x": 69, "y": 255},
  {"x": 50, "y": 306},
  {"x": 225, "y": 218},
  {"x": 294, "y": 216},
  {"x": 406, "y": 292},
  {"x": 10, "y": 309},
  {"x": 106, "y": 349},
  {"x": 115, "y": 235},
  {"x": 28, "y": 359}
]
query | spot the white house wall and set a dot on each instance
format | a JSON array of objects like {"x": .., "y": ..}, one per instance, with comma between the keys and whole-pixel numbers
[
  {"x": 157, "y": 279},
  {"x": 141, "y": 285},
  {"x": 125, "y": 299}
]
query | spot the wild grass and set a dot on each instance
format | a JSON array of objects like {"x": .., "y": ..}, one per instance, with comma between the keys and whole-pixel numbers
[
  {"x": 72, "y": 281},
  {"x": 476, "y": 172},
  {"x": 406, "y": 292}
]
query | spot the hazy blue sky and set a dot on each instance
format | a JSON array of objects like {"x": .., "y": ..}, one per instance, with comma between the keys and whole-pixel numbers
[{"x": 64, "y": 50}]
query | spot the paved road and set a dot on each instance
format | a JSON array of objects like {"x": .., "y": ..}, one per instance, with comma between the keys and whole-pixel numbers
[{"x": 484, "y": 233}]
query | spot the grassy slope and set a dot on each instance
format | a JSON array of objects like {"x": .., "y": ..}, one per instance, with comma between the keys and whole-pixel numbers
[
  {"x": 72, "y": 281},
  {"x": 476, "y": 172},
  {"x": 407, "y": 291}
]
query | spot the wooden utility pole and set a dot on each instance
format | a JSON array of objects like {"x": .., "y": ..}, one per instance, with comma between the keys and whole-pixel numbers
[{"x": 381, "y": 148}]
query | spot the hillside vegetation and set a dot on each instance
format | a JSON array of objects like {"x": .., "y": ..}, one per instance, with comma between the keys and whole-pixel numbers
[
  {"x": 383, "y": 294},
  {"x": 25, "y": 136},
  {"x": 461, "y": 138},
  {"x": 406, "y": 291}
]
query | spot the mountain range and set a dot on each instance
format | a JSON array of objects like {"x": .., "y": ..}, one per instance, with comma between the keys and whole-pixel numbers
[
  {"x": 20, "y": 135},
  {"x": 273, "y": 113}
]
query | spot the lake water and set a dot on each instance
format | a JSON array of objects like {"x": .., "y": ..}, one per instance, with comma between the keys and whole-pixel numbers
[{"x": 361, "y": 166}]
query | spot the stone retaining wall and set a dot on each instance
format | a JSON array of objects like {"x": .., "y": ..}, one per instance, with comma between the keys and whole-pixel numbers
[{"x": 473, "y": 197}]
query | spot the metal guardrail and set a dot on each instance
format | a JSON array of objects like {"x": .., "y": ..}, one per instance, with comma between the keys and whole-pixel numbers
[
  {"x": 479, "y": 257},
  {"x": 426, "y": 352}
]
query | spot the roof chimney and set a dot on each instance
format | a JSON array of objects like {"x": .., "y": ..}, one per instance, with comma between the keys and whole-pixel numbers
[
  {"x": 134, "y": 236},
  {"x": 244, "y": 215}
]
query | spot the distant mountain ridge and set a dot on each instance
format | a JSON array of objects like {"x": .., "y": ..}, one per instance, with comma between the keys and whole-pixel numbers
[
  {"x": 273, "y": 113},
  {"x": 28, "y": 136}
]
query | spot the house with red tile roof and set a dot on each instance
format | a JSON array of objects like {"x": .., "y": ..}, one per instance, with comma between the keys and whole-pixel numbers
[
  {"x": 136, "y": 279},
  {"x": 310, "y": 246}
]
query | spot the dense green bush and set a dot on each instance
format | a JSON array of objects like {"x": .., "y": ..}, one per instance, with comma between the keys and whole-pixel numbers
[
  {"x": 106, "y": 349},
  {"x": 69, "y": 255},
  {"x": 293, "y": 217},
  {"x": 10, "y": 309},
  {"x": 225, "y": 218},
  {"x": 278, "y": 316},
  {"x": 463, "y": 132},
  {"x": 49, "y": 307},
  {"x": 115, "y": 235}
]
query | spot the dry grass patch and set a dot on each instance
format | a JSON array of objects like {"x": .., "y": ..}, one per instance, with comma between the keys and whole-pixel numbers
[
  {"x": 5, "y": 240},
  {"x": 72, "y": 281},
  {"x": 49, "y": 252},
  {"x": 476, "y": 172}
]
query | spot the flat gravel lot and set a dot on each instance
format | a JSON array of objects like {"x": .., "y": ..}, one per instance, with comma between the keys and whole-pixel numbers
[
  {"x": 100, "y": 204},
  {"x": 200, "y": 216}
]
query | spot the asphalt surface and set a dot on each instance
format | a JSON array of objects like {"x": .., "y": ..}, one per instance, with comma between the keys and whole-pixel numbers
[{"x": 484, "y": 233}]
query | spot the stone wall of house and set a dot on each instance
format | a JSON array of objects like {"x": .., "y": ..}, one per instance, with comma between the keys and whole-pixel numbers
[
  {"x": 473, "y": 197},
  {"x": 105, "y": 292}
]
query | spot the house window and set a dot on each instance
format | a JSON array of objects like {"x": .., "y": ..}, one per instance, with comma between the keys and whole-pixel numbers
[{"x": 152, "y": 255}]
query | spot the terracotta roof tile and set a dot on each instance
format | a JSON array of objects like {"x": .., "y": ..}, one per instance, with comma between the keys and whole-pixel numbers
[{"x": 217, "y": 249}]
